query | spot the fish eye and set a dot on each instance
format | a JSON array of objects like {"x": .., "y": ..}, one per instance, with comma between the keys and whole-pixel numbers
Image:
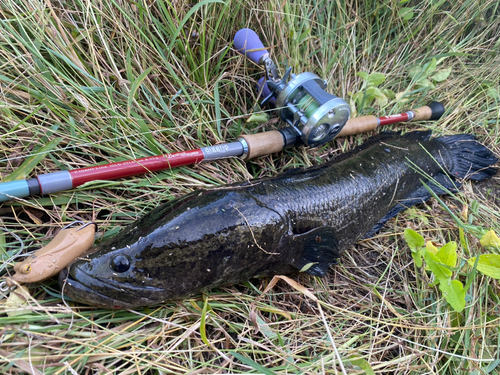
[{"x": 120, "y": 263}]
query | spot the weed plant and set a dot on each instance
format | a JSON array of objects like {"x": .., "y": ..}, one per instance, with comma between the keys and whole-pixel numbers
[{"x": 88, "y": 82}]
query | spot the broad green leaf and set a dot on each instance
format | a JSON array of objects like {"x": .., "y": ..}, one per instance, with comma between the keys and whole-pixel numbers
[
  {"x": 430, "y": 246},
  {"x": 488, "y": 264},
  {"x": 389, "y": 93},
  {"x": 493, "y": 365},
  {"x": 25, "y": 169},
  {"x": 400, "y": 97},
  {"x": 382, "y": 100},
  {"x": 425, "y": 83},
  {"x": 493, "y": 93},
  {"x": 413, "y": 239},
  {"x": 374, "y": 91},
  {"x": 406, "y": 13},
  {"x": 363, "y": 75},
  {"x": 430, "y": 67},
  {"x": 265, "y": 329},
  {"x": 259, "y": 118},
  {"x": 438, "y": 269},
  {"x": 363, "y": 364},
  {"x": 454, "y": 293},
  {"x": 417, "y": 257},
  {"x": 441, "y": 75},
  {"x": 448, "y": 254},
  {"x": 490, "y": 239},
  {"x": 376, "y": 79},
  {"x": 414, "y": 71}
]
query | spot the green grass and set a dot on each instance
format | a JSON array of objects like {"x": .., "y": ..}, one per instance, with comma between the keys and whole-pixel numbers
[{"x": 106, "y": 81}]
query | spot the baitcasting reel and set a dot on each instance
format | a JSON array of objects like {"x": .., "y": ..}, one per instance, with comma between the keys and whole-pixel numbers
[{"x": 314, "y": 115}]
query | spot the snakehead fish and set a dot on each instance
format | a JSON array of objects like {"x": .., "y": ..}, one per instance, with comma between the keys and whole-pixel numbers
[{"x": 300, "y": 220}]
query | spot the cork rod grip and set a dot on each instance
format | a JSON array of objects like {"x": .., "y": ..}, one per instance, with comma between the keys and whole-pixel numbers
[
  {"x": 422, "y": 113},
  {"x": 431, "y": 111},
  {"x": 359, "y": 125},
  {"x": 263, "y": 143},
  {"x": 365, "y": 124}
]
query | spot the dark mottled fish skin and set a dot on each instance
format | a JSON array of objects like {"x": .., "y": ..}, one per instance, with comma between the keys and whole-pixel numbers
[{"x": 271, "y": 226}]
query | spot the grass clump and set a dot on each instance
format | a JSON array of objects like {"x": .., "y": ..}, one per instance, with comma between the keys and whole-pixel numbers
[{"x": 83, "y": 83}]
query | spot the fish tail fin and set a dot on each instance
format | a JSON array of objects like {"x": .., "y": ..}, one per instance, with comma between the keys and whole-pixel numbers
[{"x": 470, "y": 159}]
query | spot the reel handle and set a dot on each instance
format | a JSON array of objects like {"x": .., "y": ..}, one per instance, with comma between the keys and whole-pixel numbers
[
  {"x": 262, "y": 84},
  {"x": 365, "y": 124},
  {"x": 247, "y": 42}
]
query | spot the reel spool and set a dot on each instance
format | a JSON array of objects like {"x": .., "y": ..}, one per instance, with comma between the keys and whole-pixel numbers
[{"x": 314, "y": 115}]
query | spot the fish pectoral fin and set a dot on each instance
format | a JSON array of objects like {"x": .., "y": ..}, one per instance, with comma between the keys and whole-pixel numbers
[
  {"x": 319, "y": 250},
  {"x": 440, "y": 184}
]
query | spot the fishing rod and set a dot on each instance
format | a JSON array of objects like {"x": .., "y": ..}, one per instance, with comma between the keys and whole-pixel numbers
[
  {"x": 246, "y": 147},
  {"x": 314, "y": 117}
]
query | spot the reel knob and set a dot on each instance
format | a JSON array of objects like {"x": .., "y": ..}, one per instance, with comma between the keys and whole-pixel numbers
[{"x": 247, "y": 42}]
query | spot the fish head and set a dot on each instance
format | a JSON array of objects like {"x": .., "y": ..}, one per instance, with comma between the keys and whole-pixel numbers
[
  {"x": 151, "y": 261},
  {"x": 171, "y": 254},
  {"x": 109, "y": 277}
]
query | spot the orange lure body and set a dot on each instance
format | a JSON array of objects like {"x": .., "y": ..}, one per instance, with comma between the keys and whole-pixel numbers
[{"x": 66, "y": 246}]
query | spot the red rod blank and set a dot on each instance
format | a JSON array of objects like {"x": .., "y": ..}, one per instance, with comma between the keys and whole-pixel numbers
[
  {"x": 127, "y": 168},
  {"x": 385, "y": 120}
]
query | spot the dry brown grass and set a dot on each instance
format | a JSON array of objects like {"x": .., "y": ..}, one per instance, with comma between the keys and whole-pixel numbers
[{"x": 67, "y": 71}]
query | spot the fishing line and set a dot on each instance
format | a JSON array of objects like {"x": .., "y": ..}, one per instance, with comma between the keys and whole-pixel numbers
[
  {"x": 152, "y": 132},
  {"x": 17, "y": 254},
  {"x": 3, "y": 285}
]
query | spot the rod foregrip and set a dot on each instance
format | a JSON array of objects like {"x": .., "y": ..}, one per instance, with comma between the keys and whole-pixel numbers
[
  {"x": 359, "y": 125},
  {"x": 247, "y": 42},
  {"x": 263, "y": 143},
  {"x": 365, "y": 124}
]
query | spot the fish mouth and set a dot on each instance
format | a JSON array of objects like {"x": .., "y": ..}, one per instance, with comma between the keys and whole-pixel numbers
[{"x": 82, "y": 291}]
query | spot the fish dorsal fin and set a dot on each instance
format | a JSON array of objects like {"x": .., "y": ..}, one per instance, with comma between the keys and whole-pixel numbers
[
  {"x": 418, "y": 135},
  {"x": 319, "y": 250}
]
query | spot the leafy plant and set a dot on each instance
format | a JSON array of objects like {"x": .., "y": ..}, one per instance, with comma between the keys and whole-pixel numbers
[
  {"x": 427, "y": 75},
  {"x": 442, "y": 263},
  {"x": 370, "y": 91}
]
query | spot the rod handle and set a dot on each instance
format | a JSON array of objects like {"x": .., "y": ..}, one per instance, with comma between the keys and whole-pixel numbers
[
  {"x": 265, "y": 143},
  {"x": 431, "y": 111},
  {"x": 365, "y": 124},
  {"x": 359, "y": 125},
  {"x": 247, "y": 42}
]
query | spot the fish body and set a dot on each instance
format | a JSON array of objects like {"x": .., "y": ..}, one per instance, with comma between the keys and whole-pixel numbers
[{"x": 300, "y": 220}]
